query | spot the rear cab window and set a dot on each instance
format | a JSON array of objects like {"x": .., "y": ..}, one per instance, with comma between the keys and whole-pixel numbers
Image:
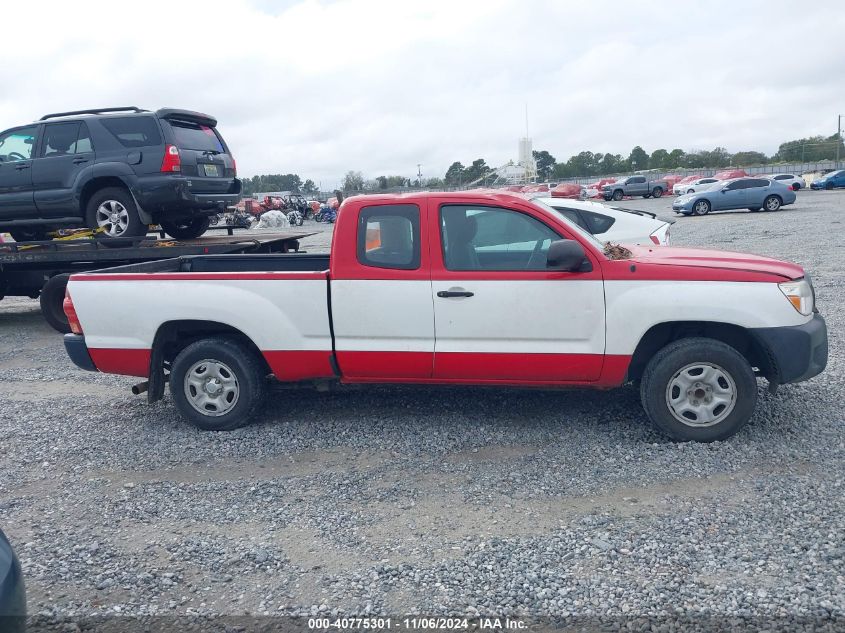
[
  {"x": 135, "y": 131},
  {"x": 389, "y": 237},
  {"x": 194, "y": 136}
]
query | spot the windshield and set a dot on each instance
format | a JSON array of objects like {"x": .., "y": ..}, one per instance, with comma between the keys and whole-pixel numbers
[
  {"x": 574, "y": 227},
  {"x": 832, "y": 174}
]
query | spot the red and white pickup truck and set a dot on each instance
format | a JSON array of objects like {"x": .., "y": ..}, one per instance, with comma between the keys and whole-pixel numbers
[{"x": 477, "y": 288}]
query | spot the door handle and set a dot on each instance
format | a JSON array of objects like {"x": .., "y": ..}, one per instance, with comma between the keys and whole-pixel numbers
[
  {"x": 78, "y": 161},
  {"x": 19, "y": 167},
  {"x": 445, "y": 294}
]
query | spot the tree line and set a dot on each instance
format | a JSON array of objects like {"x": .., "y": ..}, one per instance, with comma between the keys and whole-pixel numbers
[{"x": 583, "y": 164}]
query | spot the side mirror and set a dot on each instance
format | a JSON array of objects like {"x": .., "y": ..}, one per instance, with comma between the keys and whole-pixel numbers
[{"x": 567, "y": 255}]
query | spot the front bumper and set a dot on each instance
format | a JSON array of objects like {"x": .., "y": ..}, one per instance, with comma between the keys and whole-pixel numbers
[
  {"x": 78, "y": 351},
  {"x": 797, "y": 352}
]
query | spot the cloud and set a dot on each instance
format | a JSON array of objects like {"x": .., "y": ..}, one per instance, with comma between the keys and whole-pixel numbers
[{"x": 318, "y": 88}]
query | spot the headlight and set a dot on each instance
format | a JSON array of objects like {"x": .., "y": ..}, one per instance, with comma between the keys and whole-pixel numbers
[{"x": 800, "y": 295}]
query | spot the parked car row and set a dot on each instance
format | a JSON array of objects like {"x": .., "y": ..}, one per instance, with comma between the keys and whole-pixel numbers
[{"x": 754, "y": 194}]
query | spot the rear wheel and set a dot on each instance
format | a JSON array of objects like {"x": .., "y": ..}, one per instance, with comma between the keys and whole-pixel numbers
[
  {"x": 187, "y": 229},
  {"x": 618, "y": 195},
  {"x": 698, "y": 389},
  {"x": 702, "y": 207},
  {"x": 657, "y": 192},
  {"x": 113, "y": 210},
  {"x": 217, "y": 384},
  {"x": 28, "y": 234},
  {"x": 52, "y": 299},
  {"x": 771, "y": 203}
]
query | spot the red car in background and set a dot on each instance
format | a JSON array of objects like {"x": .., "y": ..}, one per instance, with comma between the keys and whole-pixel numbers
[
  {"x": 727, "y": 174},
  {"x": 567, "y": 190}
]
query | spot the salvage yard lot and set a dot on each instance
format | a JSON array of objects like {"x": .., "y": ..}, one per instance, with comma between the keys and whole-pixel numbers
[{"x": 401, "y": 500}]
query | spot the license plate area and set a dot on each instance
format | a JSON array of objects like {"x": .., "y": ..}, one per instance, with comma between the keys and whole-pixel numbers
[{"x": 212, "y": 171}]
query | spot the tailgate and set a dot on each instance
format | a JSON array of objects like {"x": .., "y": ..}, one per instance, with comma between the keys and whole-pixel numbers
[{"x": 206, "y": 161}]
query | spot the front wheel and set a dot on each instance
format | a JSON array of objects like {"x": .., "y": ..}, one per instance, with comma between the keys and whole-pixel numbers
[
  {"x": 698, "y": 389},
  {"x": 618, "y": 195},
  {"x": 702, "y": 207},
  {"x": 829, "y": 186},
  {"x": 657, "y": 192},
  {"x": 187, "y": 229},
  {"x": 771, "y": 203},
  {"x": 217, "y": 384}
]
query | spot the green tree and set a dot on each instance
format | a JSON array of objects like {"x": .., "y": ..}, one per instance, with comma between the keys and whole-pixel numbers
[
  {"x": 308, "y": 187},
  {"x": 455, "y": 175},
  {"x": 477, "y": 171},
  {"x": 813, "y": 148},
  {"x": 659, "y": 159},
  {"x": 638, "y": 159},
  {"x": 749, "y": 158},
  {"x": 583, "y": 164},
  {"x": 611, "y": 164},
  {"x": 353, "y": 181},
  {"x": 545, "y": 164},
  {"x": 675, "y": 158}
]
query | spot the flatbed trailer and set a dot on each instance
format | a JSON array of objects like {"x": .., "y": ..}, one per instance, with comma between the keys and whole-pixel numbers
[{"x": 41, "y": 269}]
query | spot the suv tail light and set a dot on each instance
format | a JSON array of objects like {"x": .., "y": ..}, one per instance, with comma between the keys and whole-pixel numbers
[
  {"x": 172, "y": 161},
  {"x": 70, "y": 313}
]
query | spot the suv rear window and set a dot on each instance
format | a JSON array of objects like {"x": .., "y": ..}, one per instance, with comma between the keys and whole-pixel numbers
[
  {"x": 197, "y": 137},
  {"x": 136, "y": 131}
]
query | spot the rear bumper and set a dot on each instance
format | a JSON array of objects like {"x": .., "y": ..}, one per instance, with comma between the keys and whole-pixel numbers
[
  {"x": 173, "y": 196},
  {"x": 798, "y": 352},
  {"x": 78, "y": 351}
]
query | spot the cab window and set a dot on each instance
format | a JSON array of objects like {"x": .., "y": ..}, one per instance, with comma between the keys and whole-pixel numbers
[
  {"x": 389, "y": 236},
  {"x": 492, "y": 238},
  {"x": 17, "y": 144}
]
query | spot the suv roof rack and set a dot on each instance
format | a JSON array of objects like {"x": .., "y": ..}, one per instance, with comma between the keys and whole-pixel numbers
[{"x": 96, "y": 111}]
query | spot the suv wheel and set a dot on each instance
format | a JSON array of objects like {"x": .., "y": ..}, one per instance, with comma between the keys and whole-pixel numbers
[
  {"x": 698, "y": 389},
  {"x": 113, "y": 210},
  {"x": 28, "y": 235},
  {"x": 217, "y": 384},
  {"x": 187, "y": 229},
  {"x": 657, "y": 192},
  {"x": 618, "y": 195}
]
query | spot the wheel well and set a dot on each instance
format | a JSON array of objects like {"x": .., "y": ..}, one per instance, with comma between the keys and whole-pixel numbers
[
  {"x": 737, "y": 337},
  {"x": 174, "y": 336},
  {"x": 93, "y": 186}
]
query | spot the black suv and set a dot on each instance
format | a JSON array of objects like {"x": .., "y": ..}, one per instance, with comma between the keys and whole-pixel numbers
[{"x": 120, "y": 169}]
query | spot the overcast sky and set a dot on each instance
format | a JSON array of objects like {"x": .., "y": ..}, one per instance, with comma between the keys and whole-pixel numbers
[{"x": 318, "y": 88}]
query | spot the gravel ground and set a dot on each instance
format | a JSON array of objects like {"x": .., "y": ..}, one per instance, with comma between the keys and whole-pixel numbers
[{"x": 433, "y": 501}]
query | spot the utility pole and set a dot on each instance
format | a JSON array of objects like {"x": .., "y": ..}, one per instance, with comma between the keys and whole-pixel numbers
[{"x": 419, "y": 173}]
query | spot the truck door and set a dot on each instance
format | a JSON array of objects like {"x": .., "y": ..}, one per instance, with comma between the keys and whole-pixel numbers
[
  {"x": 500, "y": 315},
  {"x": 16, "y": 150},
  {"x": 383, "y": 318},
  {"x": 64, "y": 152},
  {"x": 637, "y": 186}
]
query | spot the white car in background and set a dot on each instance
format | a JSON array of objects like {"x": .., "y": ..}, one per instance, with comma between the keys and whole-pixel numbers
[
  {"x": 790, "y": 180},
  {"x": 692, "y": 187},
  {"x": 612, "y": 224}
]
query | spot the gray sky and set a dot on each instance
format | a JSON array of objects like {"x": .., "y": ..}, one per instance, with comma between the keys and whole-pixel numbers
[{"x": 318, "y": 88}]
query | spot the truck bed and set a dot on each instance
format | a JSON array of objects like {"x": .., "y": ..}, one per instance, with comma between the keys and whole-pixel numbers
[{"x": 234, "y": 263}]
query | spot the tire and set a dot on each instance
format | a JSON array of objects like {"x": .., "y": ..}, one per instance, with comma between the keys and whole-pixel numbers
[
  {"x": 113, "y": 209},
  {"x": 701, "y": 207},
  {"x": 676, "y": 367},
  {"x": 828, "y": 186},
  {"x": 618, "y": 195},
  {"x": 657, "y": 192},
  {"x": 755, "y": 209},
  {"x": 246, "y": 379},
  {"x": 29, "y": 235},
  {"x": 51, "y": 300},
  {"x": 187, "y": 229},
  {"x": 772, "y": 203}
]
